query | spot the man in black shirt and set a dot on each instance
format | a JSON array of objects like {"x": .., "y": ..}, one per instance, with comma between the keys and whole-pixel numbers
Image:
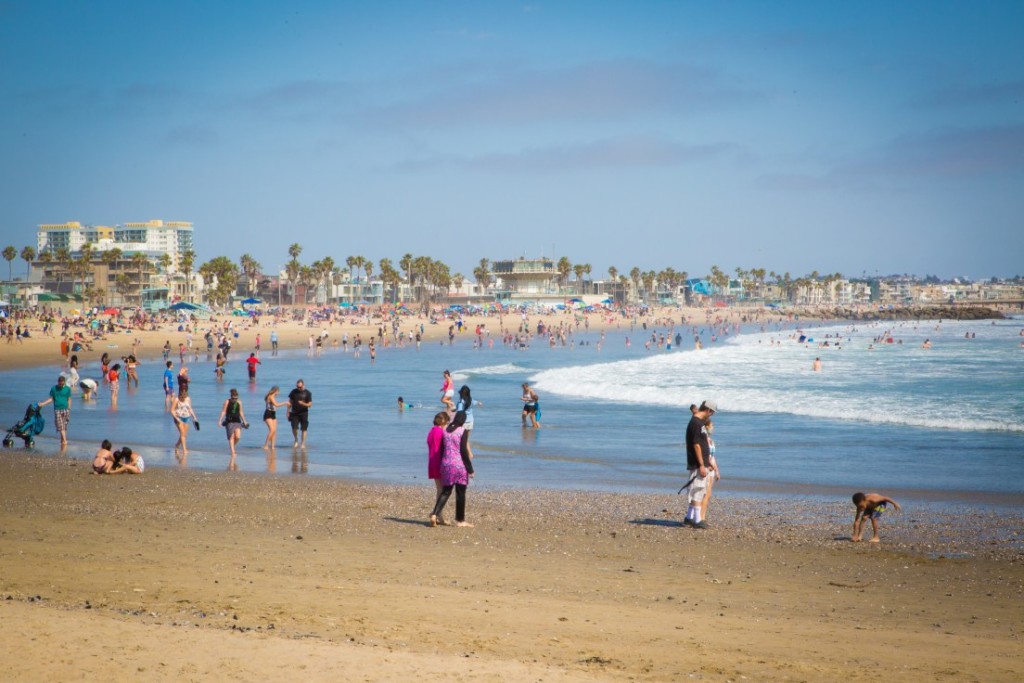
[
  {"x": 698, "y": 462},
  {"x": 299, "y": 402}
]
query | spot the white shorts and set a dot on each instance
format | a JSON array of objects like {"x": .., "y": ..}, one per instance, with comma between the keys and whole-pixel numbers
[
  {"x": 449, "y": 393},
  {"x": 698, "y": 487}
]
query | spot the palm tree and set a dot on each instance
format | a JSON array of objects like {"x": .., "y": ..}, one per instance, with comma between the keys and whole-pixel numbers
[
  {"x": 187, "y": 262},
  {"x": 123, "y": 285},
  {"x": 405, "y": 263},
  {"x": 110, "y": 257},
  {"x": 79, "y": 271},
  {"x": 759, "y": 275},
  {"x": 587, "y": 268},
  {"x": 63, "y": 258},
  {"x": 165, "y": 262},
  {"x": 251, "y": 270},
  {"x": 140, "y": 261},
  {"x": 307, "y": 277},
  {"x": 457, "y": 280},
  {"x": 84, "y": 265},
  {"x": 98, "y": 295},
  {"x": 564, "y": 267},
  {"x": 578, "y": 270},
  {"x": 440, "y": 275},
  {"x": 385, "y": 272},
  {"x": 292, "y": 267},
  {"x": 388, "y": 275},
  {"x": 10, "y": 253},
  {"x": 28, "y": 254},
  {"x": 367, "y": 267},
  {"x": 327, "y": 275},
  {"x": 634, "y": 275},
  {"x": 418, "y": 269},
  {"x": 648, "y": 280},
  {"x": 482, "y": 274}
]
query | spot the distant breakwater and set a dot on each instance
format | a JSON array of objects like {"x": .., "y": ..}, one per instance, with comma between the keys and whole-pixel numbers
[{"x": 910, "y": 313}]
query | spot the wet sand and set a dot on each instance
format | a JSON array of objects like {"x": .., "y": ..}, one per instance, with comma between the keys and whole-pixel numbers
[{"x": 189, "y": 575}]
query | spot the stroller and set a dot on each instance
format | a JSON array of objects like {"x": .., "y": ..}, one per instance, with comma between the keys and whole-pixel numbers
[{"x": 27, "y": 428}]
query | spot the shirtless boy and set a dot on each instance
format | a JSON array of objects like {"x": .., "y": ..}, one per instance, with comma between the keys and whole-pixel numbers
[{"x": 869, "y": 506}]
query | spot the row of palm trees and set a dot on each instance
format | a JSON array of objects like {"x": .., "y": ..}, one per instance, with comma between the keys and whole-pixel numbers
[
  {"x": 426, "y": 276},
  {"x": 79, "y": 268}
]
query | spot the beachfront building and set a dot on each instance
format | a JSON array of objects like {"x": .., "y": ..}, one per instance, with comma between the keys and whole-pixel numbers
[
  {"x": 113, "y": 265},
  {"x": 526, "y": 280},
  {"x": 153, "y": 238},
  {"x": 114, "y": 282}
]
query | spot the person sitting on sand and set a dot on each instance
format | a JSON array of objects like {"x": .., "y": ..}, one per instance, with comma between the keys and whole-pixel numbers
[
  {"x": 127, "y": 461},
  {"x": 103, "y": 461},
  {"x": 869, "y": 506}
]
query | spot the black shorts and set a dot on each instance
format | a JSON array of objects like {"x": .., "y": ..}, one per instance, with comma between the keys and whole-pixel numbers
[
  {"x": 269, "y": 414},
  {"x": 299, "y": 421},
  {"x": 530, "y": 408}
]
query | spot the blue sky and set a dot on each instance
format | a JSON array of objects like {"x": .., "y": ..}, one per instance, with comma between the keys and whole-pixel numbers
[{"x": 856, "y": 138}]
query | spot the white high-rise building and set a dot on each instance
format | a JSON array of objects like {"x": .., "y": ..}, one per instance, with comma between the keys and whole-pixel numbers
[{"x": 154, "y": 238}]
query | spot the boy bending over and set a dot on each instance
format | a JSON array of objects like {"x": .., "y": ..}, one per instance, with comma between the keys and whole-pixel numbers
[{"x": 869, "y": 506}]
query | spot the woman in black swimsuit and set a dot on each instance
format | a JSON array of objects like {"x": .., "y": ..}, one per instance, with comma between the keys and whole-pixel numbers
[{"x": 271, "y": 404}]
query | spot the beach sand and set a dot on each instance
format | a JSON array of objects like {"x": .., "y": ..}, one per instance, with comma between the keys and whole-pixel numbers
[{"x": 183, "y": 575}]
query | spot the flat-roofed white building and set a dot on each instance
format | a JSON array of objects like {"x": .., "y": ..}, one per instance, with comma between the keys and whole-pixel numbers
[{"x": 153, "y": 237}]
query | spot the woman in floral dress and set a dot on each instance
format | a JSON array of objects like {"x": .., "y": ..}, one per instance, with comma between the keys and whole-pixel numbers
[{"x": 456, "y": 469}]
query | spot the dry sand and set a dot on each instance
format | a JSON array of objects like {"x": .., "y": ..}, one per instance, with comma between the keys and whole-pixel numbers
[{"x": 179, "y": 575}]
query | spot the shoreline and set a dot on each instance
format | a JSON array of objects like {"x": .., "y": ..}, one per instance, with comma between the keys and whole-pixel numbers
[
  {"x": 736, "y": 488},
  {"x": 39, "y": 351},
  {"x": 241, "y": 577}
]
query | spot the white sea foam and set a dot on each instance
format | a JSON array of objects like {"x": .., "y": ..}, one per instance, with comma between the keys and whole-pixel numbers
[
  {"x": 963, "y": 384},
  {"x": 503, "y": 369}
]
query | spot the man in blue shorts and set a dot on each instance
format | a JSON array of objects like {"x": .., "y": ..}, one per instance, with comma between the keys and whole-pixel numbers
[{"x": 169, "y": 383}]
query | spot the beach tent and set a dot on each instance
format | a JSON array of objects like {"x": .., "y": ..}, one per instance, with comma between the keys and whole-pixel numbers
[{"x": 251, "y": 302}]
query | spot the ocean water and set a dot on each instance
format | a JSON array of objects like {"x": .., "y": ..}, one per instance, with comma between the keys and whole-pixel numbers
[{"x": 945, "y": 421}]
